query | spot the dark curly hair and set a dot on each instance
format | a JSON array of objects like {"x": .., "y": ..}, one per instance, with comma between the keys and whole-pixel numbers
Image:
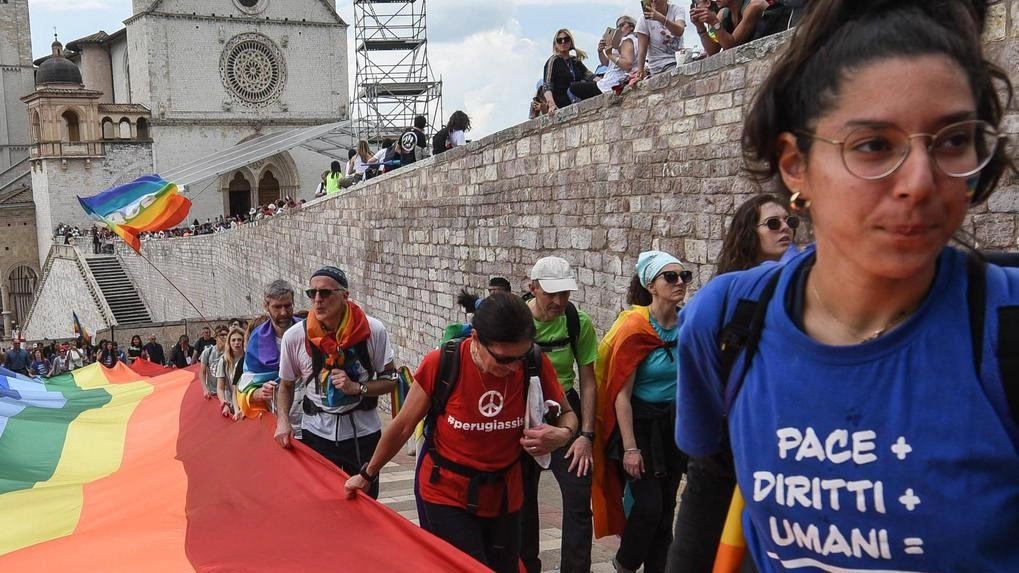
[
  {"x": 467, "y": 301},
  {"x": 742, "y": 244},
  {"x": 459, "y": 121},
  {"x": 637, "y": 294},
  {"x": 838, "y": 37}
]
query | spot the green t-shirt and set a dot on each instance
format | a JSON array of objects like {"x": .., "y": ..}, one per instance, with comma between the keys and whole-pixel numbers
[{"x": 562, "y": 355}]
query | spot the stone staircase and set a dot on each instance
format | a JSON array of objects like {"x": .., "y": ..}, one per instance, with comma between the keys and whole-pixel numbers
[{"x": 118, "y": 290}]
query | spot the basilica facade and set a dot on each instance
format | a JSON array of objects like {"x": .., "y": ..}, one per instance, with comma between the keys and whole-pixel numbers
[{"x": 180, "y": 81}]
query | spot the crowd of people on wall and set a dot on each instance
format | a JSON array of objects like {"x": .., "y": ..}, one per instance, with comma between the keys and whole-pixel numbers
[
  {"x": 652, "y": 44},
  {"x": 838, "y": 397}
]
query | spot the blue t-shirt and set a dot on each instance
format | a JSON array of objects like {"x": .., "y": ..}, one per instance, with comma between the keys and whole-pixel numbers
[
  {"x": 888, "y": 455},
  {"x": 655, "y": 378}
]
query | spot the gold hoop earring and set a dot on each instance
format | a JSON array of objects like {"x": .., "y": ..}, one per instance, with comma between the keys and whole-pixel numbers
[{"x": 794, "y": 202}]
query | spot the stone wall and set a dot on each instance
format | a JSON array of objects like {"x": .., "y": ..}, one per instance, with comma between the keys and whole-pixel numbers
[
  {"x": 658, "y": 167},
  {"x": 64, "y": 290}
]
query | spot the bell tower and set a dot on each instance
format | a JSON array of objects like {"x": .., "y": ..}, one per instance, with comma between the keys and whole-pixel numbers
[{"x": 16, "y": 80}]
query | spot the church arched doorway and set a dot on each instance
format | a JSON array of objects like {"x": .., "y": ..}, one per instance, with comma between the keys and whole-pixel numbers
[
  {"x": 239, "y": 195},
  {"x": 22, "y": 283},
  {"x": 268, "y": 188}
]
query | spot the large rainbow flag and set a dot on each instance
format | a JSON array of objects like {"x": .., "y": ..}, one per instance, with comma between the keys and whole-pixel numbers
[
  {"x": 129, "y": 469},
  {"x": 149, "y": 203}
]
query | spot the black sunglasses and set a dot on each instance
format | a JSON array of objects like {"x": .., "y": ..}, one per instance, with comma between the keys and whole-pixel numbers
[
  {"x": 323, "y": 292},
  {"x": 504, "y": 360},
  {"x": 672, "y": 276},
  {"x": 775, "y": 223},
  {"x": 563, "y": 39}
]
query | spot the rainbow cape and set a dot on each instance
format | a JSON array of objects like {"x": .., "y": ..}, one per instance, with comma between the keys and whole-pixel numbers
[
  {"x": 630, "y": 339},
  {"x": 149, "y": 203},
  {"x": 129, "y": 469}
]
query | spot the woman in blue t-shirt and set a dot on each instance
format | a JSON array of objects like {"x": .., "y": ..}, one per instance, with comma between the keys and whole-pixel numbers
[
  {"x": 39, "y": 366},
  {"x": 636, "y": 373},
  {"x": 866, "y": 434}
]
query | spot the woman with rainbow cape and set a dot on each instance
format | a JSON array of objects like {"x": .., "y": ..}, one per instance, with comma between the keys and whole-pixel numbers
[{"x": 636, "y": 379}]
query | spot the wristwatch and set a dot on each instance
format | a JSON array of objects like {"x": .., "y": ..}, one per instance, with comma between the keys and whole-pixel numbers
[
  {"x": 364, "y": 473},
  {"x": 588, "y": 435},
  {"x": 364, "y": 388}
]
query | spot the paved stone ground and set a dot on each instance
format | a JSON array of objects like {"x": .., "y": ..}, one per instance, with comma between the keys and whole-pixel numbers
[{"x": 397, "y": 492}]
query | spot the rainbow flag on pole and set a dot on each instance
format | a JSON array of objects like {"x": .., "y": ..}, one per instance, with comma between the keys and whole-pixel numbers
[
  {"x": 149, "y": 203},
  {"x": 79, "y": 328},
  {"x": 129, "y": 469}
]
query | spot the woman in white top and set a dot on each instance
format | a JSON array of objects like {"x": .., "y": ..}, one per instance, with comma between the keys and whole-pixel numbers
[
  {"x": 660, "y": 36},
  {"x": 459, "y": 124},
  {"x": 622, "y": 61}
]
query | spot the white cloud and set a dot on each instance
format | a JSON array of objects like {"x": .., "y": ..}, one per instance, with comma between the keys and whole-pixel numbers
[{"x": 490, "y": 76}]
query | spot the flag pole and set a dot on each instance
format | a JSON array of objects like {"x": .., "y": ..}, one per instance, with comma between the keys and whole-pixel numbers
[{"x": 167, "y": 279}]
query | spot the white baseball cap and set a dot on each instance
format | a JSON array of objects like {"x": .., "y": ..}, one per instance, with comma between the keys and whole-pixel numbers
[{"x": 553, "y": 275}]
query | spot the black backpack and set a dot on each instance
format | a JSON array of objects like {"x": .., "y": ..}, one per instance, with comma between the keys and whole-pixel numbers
[
  {"x": 439, "y": 140},
  {"x": 779, "y": 16},
  {"x": 743, "y": 331}
]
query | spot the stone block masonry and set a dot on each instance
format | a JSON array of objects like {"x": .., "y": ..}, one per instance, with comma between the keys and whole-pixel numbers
[{"x": 656, "y": 168}]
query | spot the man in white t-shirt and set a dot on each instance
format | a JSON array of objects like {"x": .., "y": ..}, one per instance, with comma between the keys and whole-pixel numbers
[
  {"x": 660, "y": 36},
  {"x": 346, "y": 361}
]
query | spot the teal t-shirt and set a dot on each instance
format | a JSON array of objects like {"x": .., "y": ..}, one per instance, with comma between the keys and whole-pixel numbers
[
  {"x": 655, "y": 380},
  {"x": 562, "y": 355}
]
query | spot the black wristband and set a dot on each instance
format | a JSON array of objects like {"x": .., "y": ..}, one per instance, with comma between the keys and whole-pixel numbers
[
  {"x": 588, "y": 435},
  {"x": 364, "y": 473}
]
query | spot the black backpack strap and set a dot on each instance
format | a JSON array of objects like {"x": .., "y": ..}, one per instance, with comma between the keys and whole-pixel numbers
[
  {"x": 365, "y": 358},
  {"x": 742, "y": 334},
  {"x": 976, "y": 302},
  {"x": 1007, "y": 353},
  {"x": 573, "y": 327},
  {"x": 1008, "y": 356},
  {"x": 445, "y": 381},
  {"x": 317, "y": 358}
]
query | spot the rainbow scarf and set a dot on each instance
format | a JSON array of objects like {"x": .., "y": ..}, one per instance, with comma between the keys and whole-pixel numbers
[
  {"x": 261, "y": 365},
  {"x": 149, "y": 203},
  {"x": 339, "y": 350},
  {"x": 624, "y": 346},
  {"x": 113, "y": 469}
]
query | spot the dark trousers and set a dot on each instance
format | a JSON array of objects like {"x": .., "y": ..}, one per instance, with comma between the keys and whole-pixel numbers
[
  {"x": 493, "y": 541},
  {"x": 585, "y": 89},
  {"x": 575, "y": 552},
  {"x": 348, "y": 455},
  {"x": 705, "y": 503},
  {"x": 648, "y": 531}
]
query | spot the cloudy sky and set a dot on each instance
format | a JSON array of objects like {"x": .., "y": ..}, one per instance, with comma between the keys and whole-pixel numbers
[{"x": 488, "y": 53}]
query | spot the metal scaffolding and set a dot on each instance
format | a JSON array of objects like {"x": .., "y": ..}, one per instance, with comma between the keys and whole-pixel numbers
[{"x": 393, "y": 81}]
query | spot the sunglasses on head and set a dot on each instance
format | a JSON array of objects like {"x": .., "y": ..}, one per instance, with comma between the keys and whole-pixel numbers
[
  {"x": 504, "y": 360},
  {"x": 322, "y": 292},
  {"x": 672, "y": 276},
  {"x": 775, "y": 223},
  {"x": 563, "y": 40}
]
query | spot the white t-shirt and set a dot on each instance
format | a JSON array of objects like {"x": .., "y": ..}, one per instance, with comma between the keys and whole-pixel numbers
[
  {"x": 457, "y": 138},
  {"x": 615, "y": 74},
  {"x": 662, "y": 44},
  {"x": 295, "y": 364}
]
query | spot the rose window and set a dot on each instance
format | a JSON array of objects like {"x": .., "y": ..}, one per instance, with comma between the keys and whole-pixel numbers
[{"x": 253, "y": 69}]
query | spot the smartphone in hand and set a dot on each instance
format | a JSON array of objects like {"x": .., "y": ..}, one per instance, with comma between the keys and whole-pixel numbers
[{"x": 645, "y": 5}]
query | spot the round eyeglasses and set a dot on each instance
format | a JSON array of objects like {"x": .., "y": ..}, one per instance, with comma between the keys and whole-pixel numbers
[{"x": 875, "y": 152}]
